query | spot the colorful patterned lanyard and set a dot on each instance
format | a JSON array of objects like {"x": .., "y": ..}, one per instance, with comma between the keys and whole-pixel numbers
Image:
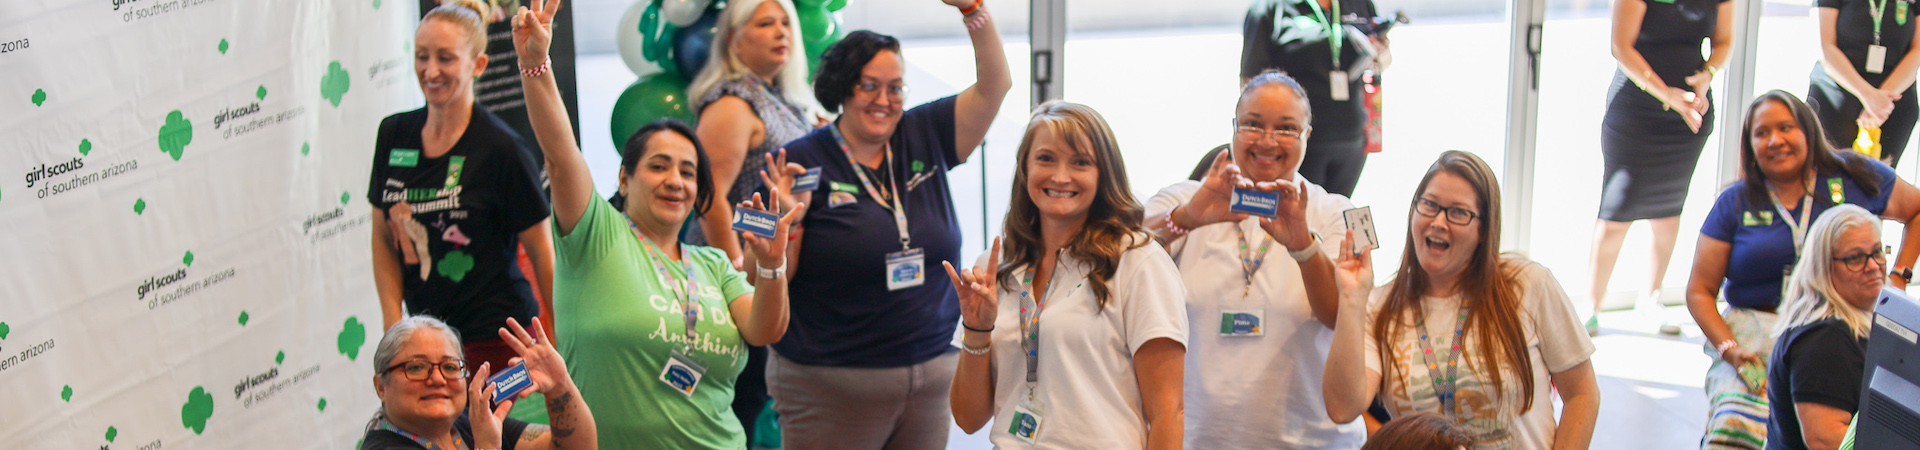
[
  {"x": 1030, "y": 323},
  {"x": 686, "y": 292},
  {"x": 424, "y": 443},
  {"x": 1799, "y": 229},
  {"x": 1249, "y": 265},
  {"x": 1443, "y": 388},
  {"x": 882, "y": 197}
]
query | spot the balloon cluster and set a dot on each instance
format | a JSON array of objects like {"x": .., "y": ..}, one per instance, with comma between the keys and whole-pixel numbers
[{"x": 667, "y": 42}]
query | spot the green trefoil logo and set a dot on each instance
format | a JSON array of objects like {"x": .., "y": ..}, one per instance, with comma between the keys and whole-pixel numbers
[
  {"x": 197, "y": 410},
  {"x": 352, "y": 335},
  {"x": 333, "y": 85},
  {"x": 175, "y": 134}
]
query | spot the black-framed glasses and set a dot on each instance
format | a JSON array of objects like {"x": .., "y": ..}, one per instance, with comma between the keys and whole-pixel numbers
[
  {"x": 1256, "y": 134},
  {"x": 1858, "y": 261},
  {"x": 418, "y": 369},
  {"x": 1430, "y": 208},
  {"x": 870, "y": 88}
]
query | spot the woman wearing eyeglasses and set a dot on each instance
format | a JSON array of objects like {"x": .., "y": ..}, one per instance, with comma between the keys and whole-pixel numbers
[
  {"x": 868, "y": 357},
  {"x": 428, "y": 400},
  {"x": 1751, "y": 240},
  {"x": 1463, "y": 330},
  {"x": 1820, "y": 352},
  {"x": 1256, "y": 383}
]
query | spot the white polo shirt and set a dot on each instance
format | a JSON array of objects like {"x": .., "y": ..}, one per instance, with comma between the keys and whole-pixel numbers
[{"x": 1255, "y": 391}]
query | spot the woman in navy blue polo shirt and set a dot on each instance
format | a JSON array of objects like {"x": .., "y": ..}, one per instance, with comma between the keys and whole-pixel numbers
[
  {"x": 867, "y": 358},
  {"x": 1788, "y": 176}
]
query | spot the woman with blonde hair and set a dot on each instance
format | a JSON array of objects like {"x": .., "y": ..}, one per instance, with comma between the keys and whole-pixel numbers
[
  {"x": 1462, "y": 329},
  {"x": 1078, "y": 339},
  {"x": 1819, "y": 350}
]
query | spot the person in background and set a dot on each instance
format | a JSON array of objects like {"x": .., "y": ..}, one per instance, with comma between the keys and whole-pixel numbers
[
  {"x": 1273, "y": 272},
  {"x": 752, "y": 98},
  {"x": 427, "y": 400},
  {"x": 1077, "y": 339},
  {"x": 1421, "y": 430},
  {"x": 868, "y": 361},
  {"x": 1462, "y": 330},
  {"x": 1865, "y": 75},
  {"x": 657, "y": 330},
  {"x": 455, "y": 193},
  {"x": 1651, "y": 137},
  {"x": 1751, "y": 240},
  {"x": 1819, "y": 350},
  {"x": 1307, "y": 39}
]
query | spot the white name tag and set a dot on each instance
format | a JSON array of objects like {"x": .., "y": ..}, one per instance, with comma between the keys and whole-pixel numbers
[
  {"x": 1337, "y": 82},
  {"x": 1025, "y": 424},
  {"x": 682, "y": 373},
  {"x": 1242, "y": 321},
  {"x": 906, "y": 269},
  {"x": 1876, "y": 58}
]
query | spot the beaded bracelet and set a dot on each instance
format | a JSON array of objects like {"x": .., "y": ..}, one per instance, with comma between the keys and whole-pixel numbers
[{"x": 539, "y": 70}]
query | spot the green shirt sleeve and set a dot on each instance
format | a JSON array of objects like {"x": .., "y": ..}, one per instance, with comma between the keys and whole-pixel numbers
[
  {"x": 732, "y": 283},
  {"x": 593, "y": 237}
]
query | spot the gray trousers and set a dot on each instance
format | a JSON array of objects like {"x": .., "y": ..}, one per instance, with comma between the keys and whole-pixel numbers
[{"x": 894, "y": 408}]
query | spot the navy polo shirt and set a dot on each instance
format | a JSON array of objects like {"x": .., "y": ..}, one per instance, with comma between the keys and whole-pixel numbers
[
  {"x": 1763, "y": 247},
  {"x": 841, "y": 311}
]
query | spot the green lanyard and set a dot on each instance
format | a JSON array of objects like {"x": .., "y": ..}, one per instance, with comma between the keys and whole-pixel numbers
[
  {"x": 1878, "y": 10},
  {"x": 1339, "y": 39}
]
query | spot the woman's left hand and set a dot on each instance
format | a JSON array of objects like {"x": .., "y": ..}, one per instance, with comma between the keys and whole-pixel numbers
[
  {"x": 533, "y": 31},
  {"x": 1289, "y": 223},
  {"x": 1699, "y": 81},
  {"x": 486, "y": 424},
  {"x": 544, "y": 366},
  {"x": 771, "y": 253}
]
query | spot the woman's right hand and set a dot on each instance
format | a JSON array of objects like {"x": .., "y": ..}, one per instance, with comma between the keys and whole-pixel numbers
[
  {"x": 780, "y": 174},
  {"x": 1875, "y": 106},
  {"x": 1353, "y": 271},
  {"x": 1681, "y": 102},
  {"x": 533, "y": 31},
  {"x": 1740, "y": 356},
  {"x": 1213, "y": 204},
  {"x": 978, "y": 290}
]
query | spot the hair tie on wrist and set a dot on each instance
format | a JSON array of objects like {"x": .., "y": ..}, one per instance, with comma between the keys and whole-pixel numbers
[{"x": 963, "y": 324}]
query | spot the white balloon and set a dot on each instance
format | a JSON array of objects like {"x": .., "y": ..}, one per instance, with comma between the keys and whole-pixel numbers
[
  {"x": 682, "y": 13},
  {"x": 627, "y": 38}
]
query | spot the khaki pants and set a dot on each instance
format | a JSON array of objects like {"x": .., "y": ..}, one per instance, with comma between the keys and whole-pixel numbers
[{"x": 895, "y": 408}]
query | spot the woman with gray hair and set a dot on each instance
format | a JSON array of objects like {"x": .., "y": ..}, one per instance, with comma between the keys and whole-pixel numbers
[
  {"x": 1819, "y": 349},
  {"x": 431, "y": 405}
]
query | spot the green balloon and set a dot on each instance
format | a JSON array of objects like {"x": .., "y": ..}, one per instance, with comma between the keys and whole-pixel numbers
[
  {"x": 819, "y": 29},
  {"x": 836, "y": 5},
  {"x": 653, "y": 97}
]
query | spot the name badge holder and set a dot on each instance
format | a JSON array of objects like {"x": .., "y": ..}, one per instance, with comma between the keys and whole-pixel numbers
[
  {"x": 905, "y": 268},
  {"x": 1876, "y": 53},
  {"x": 1027, "y": 415},
  {"x": 682, "y": 371},
  {"x": 1337, "y": 81},
  {"x": 1796, "y": 225},
  {"x": 1246, "y": 317}
]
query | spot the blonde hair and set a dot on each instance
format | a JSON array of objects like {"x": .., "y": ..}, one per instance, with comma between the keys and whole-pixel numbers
[
  {"x": 470, "y": 15},
  {"x": 1114, "y": 221},
  {"x": 1810, "y": 295},
  {"x": 723, "y": 65}
]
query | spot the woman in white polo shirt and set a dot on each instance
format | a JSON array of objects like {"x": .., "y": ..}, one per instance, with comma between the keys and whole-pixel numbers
[
  {"x": 1260, "y": 292},
  {"x": 1105, "y": 372}
]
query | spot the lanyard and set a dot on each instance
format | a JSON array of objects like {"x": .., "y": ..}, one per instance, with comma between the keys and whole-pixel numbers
[
  {"x": 685, "y": 292},
  {"x": 1249, "y": 265},
  {"x": 1030, "y": 323},
  {"x": 899, "y": 211},
  {"x": 1334, "y": 28},
  {"x": 424, "y": 443},
  {"x": 1443, "y": 388},
  {"x": 1799, "y": 228},
  {"x": 1877, "y": 10}
]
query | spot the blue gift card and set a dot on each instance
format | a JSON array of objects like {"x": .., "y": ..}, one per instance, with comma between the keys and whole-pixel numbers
[
  {"x": 759, "y": 223},
  {"x": 807, "y": 181},
  {"x": 1253, "y": 202},
  {"x": 508, "y": 384}
]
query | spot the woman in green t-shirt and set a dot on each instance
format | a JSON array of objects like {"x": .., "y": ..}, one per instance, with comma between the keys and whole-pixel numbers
[{"x": 654, "y": 332}]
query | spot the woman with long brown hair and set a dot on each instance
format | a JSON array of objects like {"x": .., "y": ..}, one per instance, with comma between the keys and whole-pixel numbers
[
  {"x": 1462, "y": 329},
  {"x": 1106, "y": 372}
]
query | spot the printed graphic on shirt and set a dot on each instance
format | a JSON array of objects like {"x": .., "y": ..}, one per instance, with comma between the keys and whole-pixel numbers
[
  {"x": 1480, "y": 405},
  {"x": 420, "y": 215}
]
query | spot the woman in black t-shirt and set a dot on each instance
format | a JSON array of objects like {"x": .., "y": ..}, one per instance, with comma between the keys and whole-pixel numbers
[
  {"x": 1819, "y": 352},
  {"x": 1294, "y": 37},
  {"x": 429, "y": 401},
  {"x": 1856, "y": 85},
  {"x": 455, "y": 193}
]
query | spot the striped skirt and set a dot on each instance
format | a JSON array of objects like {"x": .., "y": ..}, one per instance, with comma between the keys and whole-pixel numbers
[{"x": 1737, "y": 416}]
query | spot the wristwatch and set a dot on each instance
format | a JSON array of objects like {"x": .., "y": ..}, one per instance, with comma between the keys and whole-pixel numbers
[
  {"x": 770, "y": 274},
  {"x": 1305, "y": 254},
  {"x": 1905, "y": 273}
]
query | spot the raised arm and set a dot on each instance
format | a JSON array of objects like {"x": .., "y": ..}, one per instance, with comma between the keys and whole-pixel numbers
[
  {"x": 571, "y": 184},
  {"x": 538, "y": 241},
  {"x": 762, "y": 319},
  {"x": 971, "y": 395},
  {"x": 1348, "y": 386},
  {"x": 975, "y": 107}
]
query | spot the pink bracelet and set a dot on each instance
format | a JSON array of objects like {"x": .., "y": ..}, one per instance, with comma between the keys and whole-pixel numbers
[
  {"x": 539, "y": 70},
  {"x": 1724, "y": 346},
  {"x": 978, "y": 18}
]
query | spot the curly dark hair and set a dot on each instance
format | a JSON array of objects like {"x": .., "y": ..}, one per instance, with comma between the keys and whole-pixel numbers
[
  {"x": 840, "y": 65},
  {"x": 636, "y": 147}
]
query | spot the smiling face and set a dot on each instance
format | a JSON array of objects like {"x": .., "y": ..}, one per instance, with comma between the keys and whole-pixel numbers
[
  {"x": 1062, "y": 181},
  {"x": 1268, "y": 156},
  {"x": 445, "y": 64},
  {"x": 1779, "y": 144},
  {"x": 662, "y": 187},
  {"x": 1861, "y": 286},
  {"x": 873, "y": 115},
  {"x": 763, "y": 42},
  {"x": 1445, "y": 248},
  {"x": 435, "y": 399}
]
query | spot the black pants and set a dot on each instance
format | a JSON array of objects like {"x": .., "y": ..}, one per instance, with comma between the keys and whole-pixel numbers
[{"x": 1838, "y": 108}]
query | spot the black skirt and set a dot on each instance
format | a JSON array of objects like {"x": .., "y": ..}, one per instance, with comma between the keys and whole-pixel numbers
[{"x": 1649, "y": 152}]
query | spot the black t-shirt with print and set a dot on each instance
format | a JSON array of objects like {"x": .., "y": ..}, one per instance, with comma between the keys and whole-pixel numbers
[
  {"x": 1821, "y": 363},
  {"x": 468, "y": 207},
  {"x": 378, "y": 439},
  {"x": 1853, "y": 32}
]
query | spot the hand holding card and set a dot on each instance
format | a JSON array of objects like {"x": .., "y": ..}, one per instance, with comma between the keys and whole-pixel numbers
[{"x": 1360, "y": 222}]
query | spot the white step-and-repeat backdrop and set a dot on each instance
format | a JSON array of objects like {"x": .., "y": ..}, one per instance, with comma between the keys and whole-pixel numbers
[{"x": 183, "y": 230}]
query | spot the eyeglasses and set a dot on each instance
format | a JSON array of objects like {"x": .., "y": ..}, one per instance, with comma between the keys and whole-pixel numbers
[
  {"x": 1458, "y": 216},
  {"x": 417, "y": 370},
  {"x": 1256, "y": 134},
  {"x": 1858, "y": 261},
  {"x": 870, "y": 88}
]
